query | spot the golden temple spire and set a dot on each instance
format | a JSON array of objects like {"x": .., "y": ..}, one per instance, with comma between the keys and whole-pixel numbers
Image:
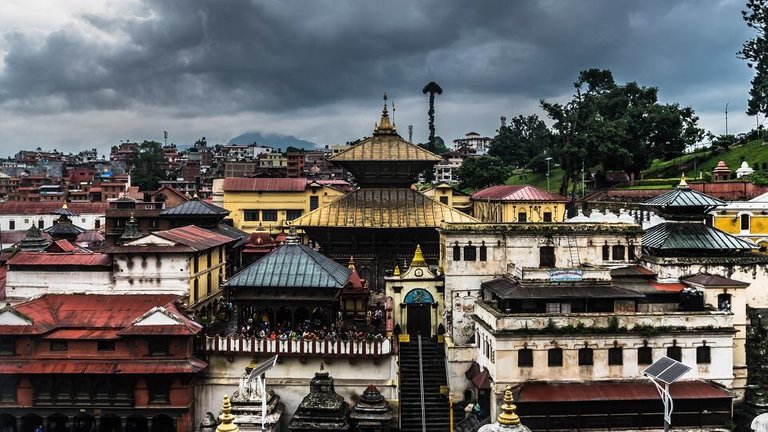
[
  {"x": 226, "y": 418},
  {"x": 508, "y": 417},
  {"x": 133, "y": 218},
  {"x": 418, "y": 258},
  {"x": 351, "y": 263},
  {"x": 683, "y": 183},
  {"x": 64, "y": 206},
  {"x": 397, "y": 271},
  {"x": 384, "y": 126}
]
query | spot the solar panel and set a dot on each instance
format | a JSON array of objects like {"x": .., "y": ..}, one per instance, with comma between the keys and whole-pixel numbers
[{"x": 666, "y": 370}]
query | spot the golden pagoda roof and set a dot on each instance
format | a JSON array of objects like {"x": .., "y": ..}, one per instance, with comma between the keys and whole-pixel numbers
[
  {"x": 382, "y": 208},
  {"x": 385, "y": 145}
]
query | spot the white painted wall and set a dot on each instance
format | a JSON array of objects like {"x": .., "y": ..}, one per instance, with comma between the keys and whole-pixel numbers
[
  {"x": 162, "y": 273},
  {"x": 21, "y": 284},
  {"x": 290, "y": 380},
  {"x": 24, "y": 221}
]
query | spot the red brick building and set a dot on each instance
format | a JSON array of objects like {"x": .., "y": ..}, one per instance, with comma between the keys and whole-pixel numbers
[{"x": 97, "y": 363}]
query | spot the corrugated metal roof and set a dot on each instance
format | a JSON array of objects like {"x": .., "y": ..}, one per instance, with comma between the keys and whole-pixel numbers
[
  {"x": 60, "y": 259},
  {"x": 231, "y": 232},
  {"x": 710, "y": 280},
  {"x": 292, "y": 265},
  {"x": 387, "y": 147},
  {"x": 671, "y": 235},
  {"x": 194, "y": 237},
  {"x": 82, "y": 366},
  {"x": 195, "y": 207},
  {"x": 616, "y": 391},
  {"x": 236, "y": 184},
  {"x": 30, "y": 208},
  {"x": 514, "y": 193},
  {"x": 633, "y": 270},
  {"x": 64, "y": 229},
  {"x": 683, "y": 196},
  {"x": 382, "y": 208},
  {"x": 77, "y": 334},
  {"x": 509, "y": 289}
]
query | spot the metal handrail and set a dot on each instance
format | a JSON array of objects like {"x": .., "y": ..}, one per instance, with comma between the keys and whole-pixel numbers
[{"x": 421, "y": 385}]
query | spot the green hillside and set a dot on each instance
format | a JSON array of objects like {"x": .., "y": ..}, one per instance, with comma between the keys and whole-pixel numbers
[
  {"x": 538, "y": 180},
  {"x": 754, "y": 152}
]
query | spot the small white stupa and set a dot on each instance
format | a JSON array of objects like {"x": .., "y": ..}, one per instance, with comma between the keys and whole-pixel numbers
[{"x": 744, "y": 169}]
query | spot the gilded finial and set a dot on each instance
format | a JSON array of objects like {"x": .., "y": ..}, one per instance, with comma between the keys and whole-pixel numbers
[
  {"x": 64, "y": 206},
  {"x": 508, "y": 417},
  {"x": 226, "y": 418},
  {"x": 133, "y": 218},
  {"x": 351, "y": 263},
  {"x": 396, "y": 272},
  {"x": 322, "y": 365},
  {"x": 418, "y": 258},
  {"x": 384, "y": 126},
  {"x": 683, "y": 183}
]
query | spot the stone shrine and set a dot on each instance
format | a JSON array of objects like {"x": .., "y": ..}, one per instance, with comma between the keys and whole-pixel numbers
[
  {"x": 322, "y": 409},
  {"x": 247, "y": 405},
  {"x": 371, "y": 413}
]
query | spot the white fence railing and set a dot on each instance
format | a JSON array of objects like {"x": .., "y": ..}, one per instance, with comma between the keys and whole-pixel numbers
[{"x": 321, "y": 348}]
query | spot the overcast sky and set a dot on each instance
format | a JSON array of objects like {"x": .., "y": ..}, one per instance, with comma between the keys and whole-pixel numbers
[{"x": 77, "y": 74}]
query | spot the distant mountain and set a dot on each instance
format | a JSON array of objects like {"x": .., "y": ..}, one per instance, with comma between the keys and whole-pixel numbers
[{"x": 277, "y": 141}]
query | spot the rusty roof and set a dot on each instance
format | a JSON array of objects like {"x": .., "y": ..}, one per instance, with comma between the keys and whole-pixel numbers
[
  {"x": 84, "y": 311},
  {"x": 237, "y": 184},
  {"x": 514, "y": 193},
  {"x": 195, "y": 237},
  {"x": 30, "y": 208},
  {"x": 195, "y": 207},
  {"x": 714, "y": 281},
  {"x": 616, "y": 391},
  {"x": 382, "y": 208},
  {"x": 93, "y": 366},
  {"x": 60, "y": 259},
  {"x": 385, "y": 147},
  {"x": 693, "y": 236}
]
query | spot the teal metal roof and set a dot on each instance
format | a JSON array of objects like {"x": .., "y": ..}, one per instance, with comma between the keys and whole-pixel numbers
[
  {"x": 682, "y": 236},
  {"x": 292, "y": 266},
  {"x": 683, "y": 196},
  {"x": 195, "y": 207}
]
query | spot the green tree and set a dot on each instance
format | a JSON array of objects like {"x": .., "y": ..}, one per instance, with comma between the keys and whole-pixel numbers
[
  {"x": 607, "y": 127},
  {"x": 148, "y": 165},
  {"x": 477, "y": 173},
  {"x": 520, "y": 142},
  {"x": 432, "y": 88},
  {"x": 755, "y": 52}
]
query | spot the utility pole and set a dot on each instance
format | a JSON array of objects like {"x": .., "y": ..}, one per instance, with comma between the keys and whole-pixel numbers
[
  {"x": 548, "y": 159},
  {"x": 726, "y": 119}
]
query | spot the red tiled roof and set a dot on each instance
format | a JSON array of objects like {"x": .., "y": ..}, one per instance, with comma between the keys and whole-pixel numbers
[
  {"x": 237, "y": 184},
  {"x": 66, "y": 366},
  {"x": 3, "y": 278},
  {"x": 77, "y": 334},
  {"x": 616, "y": 391},
  {"x": 60, "y": 259},
  {"x": 709, "y": 280},
  {"x": 186, "y": 326},
  {"x": 30, "y": 208},
  {"x": 195, "y": 237},
  {"x": 517, "y": 193},
  {"x": 84, "y": 311},
  {"x": 668, "y": 287},
  {"x": 62, "y": 246}
]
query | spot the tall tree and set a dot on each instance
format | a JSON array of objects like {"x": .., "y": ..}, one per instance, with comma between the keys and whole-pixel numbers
[
  {"x": 755, "y": 52},
  {"x": 432, "y": 88},
  {"x": 479, "y": 172},
  {"x": 520, "y": 142},
  {"x": 148, "y": 165},
  {"x": 607, "y": 126}
]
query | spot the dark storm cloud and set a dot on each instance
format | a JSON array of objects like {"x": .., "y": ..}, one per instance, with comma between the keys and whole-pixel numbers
[{"x": 199, "y": 57}]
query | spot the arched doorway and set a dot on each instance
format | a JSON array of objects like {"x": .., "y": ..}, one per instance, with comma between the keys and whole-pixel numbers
[
  {"x": 7, "y": 423},
  {"x": 162, "y": 423},
  {"x": 57, "y": 423},
  {"x": 110, "y": 423},
  {"x": 30, "y": 422},
  {"x": 418, "y": 303},
  {"x": 136, "y": 424},
  {"x": 83, "y": 423}
]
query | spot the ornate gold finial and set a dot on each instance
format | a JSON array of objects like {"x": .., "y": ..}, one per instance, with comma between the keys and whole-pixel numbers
[
  {"x": 384, "y": 126},
  {"x": 683, "y": 183},
  {"x": 64, "y": 206},
  {"x": 226, "y": 418},
  {"x": 133, "y": 218},
  {"x": 397, "y": 271},
  {"x": 351, "y": 263},
  {"x": 508, "y": 417},
  {"x": 418, "y": 258},
  {"x": 322, "y": 365}
]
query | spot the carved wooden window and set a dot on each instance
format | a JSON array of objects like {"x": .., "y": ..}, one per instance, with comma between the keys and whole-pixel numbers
[
  {"x": 586, "y": 356},
  {"x": 525, "y": 357},
  {"x": 555, "y": 357}
]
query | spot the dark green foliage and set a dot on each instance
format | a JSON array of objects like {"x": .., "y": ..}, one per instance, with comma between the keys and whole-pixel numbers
[
  {"x": 525, "y": 141},
  {"x": 148, "y": 165},
  {"x": 755, "y": 52},
  {"x": 612, "y": 127},
  {"x": 477, "y": 173},
  {"x": 432, "y": 88}
]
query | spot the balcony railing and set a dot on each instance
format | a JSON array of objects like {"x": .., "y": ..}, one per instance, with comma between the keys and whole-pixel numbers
[
  {"x": 497, "y": 320},
  {"x": 297, "y": 348}
]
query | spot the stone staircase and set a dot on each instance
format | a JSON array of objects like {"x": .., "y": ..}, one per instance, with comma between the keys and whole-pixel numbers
[{"x": 436, "y": 405}]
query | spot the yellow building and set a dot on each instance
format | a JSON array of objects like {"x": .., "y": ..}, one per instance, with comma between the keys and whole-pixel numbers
[
  {"x": 745, "y": 219},
  {"x": 518, "y": 203},
  {"x": 450, "y": 196},
  {"x": 268, "y": 203}
]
